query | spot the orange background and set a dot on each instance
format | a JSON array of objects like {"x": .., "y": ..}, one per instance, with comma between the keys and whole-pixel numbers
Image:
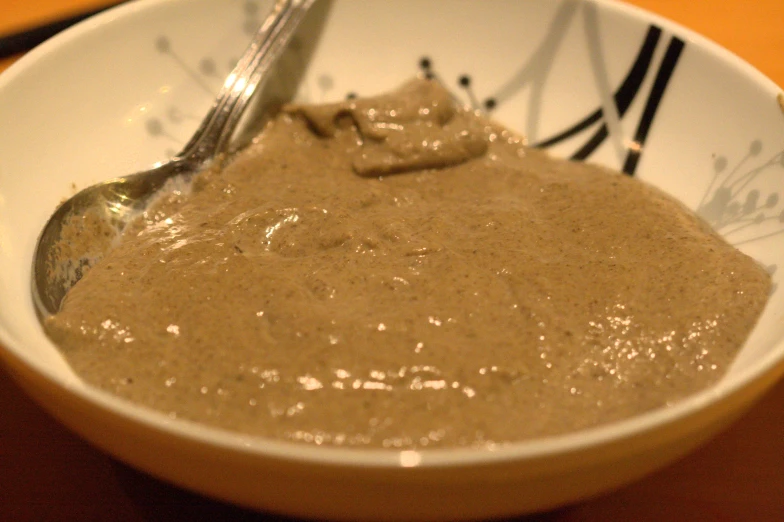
[{"x": 48, "y": 474}]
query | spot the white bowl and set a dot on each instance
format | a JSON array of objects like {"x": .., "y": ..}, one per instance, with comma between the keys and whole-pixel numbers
[{"x": 125, "y": 89}]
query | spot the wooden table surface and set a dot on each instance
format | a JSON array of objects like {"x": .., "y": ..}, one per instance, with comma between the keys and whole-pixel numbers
[{"x": 48, "y": 474}]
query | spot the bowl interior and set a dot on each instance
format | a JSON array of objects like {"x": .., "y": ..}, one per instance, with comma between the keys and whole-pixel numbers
[{"x": 590, "y": 79}]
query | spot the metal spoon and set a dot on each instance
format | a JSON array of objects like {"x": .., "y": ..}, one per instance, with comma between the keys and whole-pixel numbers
[{"x": 118, "y": 200}]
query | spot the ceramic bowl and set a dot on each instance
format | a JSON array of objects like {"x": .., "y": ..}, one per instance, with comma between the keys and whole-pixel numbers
[{"x": 588, "y": 79}]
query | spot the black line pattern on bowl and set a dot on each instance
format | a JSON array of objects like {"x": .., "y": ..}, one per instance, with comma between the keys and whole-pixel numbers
[
  {"x": 623, "y": 97},
  {"x": 666, "y": 69}
]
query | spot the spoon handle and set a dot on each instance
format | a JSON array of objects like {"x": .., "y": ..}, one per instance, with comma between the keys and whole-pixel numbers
[{"x": 269, "y": 42}]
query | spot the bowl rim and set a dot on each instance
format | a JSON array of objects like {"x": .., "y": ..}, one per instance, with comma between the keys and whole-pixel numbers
[{"x": 12, "y": 354}]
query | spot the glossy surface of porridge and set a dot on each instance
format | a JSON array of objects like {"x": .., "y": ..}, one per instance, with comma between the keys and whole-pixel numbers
[{"x": 396, "y": 272}]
